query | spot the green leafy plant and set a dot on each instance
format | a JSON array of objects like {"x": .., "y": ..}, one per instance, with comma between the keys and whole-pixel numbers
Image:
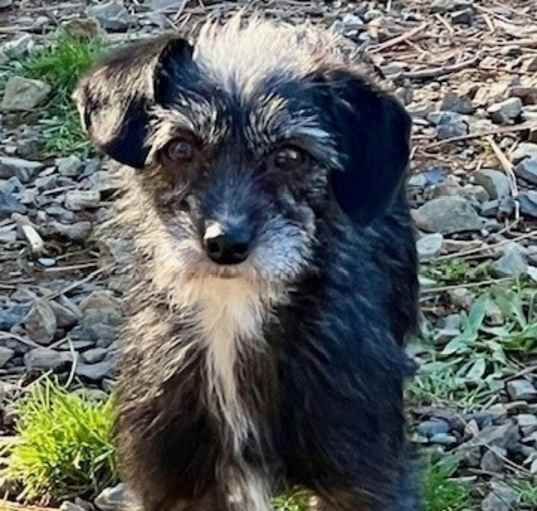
[
  {"x": 470, "y": 367},
  {"x": 63, "y": 445}
]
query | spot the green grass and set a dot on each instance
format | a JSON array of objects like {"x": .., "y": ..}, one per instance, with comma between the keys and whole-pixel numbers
[
  {"x": 527, "y": 492},
  {"x": 61, "y": 65},
  {"x": 63, "y": 449},
  {"x": 443, "y": 493},
  {"x": 63, "y": 446},
  {"x": 456, "y": 271}
]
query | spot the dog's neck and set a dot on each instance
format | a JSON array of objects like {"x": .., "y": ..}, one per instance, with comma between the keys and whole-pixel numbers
[{"x": 227, "y": 318}]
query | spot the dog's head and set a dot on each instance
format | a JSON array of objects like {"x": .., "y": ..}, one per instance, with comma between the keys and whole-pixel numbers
[{"x": 244, "y": 140}]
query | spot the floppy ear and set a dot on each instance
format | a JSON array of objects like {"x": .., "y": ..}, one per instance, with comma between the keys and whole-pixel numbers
[
  {"x": 114, "y": 99},
  {"x": 374, "y": 136}
]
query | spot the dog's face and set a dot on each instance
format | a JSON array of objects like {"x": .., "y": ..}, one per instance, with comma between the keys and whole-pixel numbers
[{"x": 244, "y": 141}]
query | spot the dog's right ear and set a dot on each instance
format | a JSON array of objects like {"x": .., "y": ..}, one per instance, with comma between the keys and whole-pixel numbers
[{"x": 114, "y": 99}]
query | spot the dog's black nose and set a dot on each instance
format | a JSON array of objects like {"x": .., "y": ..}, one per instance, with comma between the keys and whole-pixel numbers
[{"x": 230, "y": 247}]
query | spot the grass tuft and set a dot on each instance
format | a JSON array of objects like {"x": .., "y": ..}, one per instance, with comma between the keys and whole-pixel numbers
[
  {"x": 441, "y": 492},
  {"x": 63, "y": 446},
  {"x": 61, "y": 65}
]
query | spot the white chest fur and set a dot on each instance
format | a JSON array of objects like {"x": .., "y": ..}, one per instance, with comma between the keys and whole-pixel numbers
[{"x": 228, "y": 319}]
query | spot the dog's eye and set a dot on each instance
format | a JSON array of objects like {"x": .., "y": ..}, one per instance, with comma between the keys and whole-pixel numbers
[
  {"x": 289, "y": 158},
  {"x": 179, "y": 150}
]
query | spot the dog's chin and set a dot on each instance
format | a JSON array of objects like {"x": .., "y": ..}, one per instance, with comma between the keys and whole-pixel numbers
[{"x": 204, "y": 268}]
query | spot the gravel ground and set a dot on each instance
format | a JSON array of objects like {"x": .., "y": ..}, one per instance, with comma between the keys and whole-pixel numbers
[{"x": 467, "y": 72}]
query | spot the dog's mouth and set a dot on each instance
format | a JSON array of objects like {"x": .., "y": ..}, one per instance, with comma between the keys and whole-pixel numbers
[{"x": 204, "y": 268}]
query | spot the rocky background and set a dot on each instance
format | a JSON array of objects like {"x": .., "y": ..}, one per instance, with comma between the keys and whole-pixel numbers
[{"x": 466, "y": 71}]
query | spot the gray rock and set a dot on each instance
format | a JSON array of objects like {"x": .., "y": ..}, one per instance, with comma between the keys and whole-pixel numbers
[
  {"x": 393, "y": 68},
  {"x": 506, "y": 436},
  {"x": 524, "y": 150},
  {"x": 79, "y": 231},
  {"x": 507, "y": 206},
  {"x": 12, "y": 316},
  {"x": 63, "y": 214},
  {"x": 449, "y": 124},
  {"x": 78, "y": 200},
  {"x": 527, "y": 423},
  {"x": 521, "y": 390},
  {"x": 432, "y": 427},
  {"x": 501, "y": 498},
  {"x": 46, "y": 359},
  {"x": 6, "y": 354},
  {"x": 512, "y": 263},
  {"x": 463, "y": 17},
  {"x": 461, "y": 297},
  {"x": 104, "y": 334},
  {"x": 41, "y": 322},
  {"x": 449, "y": 187},
  {"x": 505, "y": 112},
  {"x": 65, "y": 316},
  {"x": 494, "y": 460},
  {"x": 69, "y": 166},
  {"x": 494, "y": 182},
  {"x": 431, "y": 176},
  {"x": 70, "y": 506},
  {"x": 352, "y": 22},
  {"x": 4, "y": 4},
  {"x": 167, "y": 5},
  {"x": 527, "y": 169},
  {"x": 9, "y": 205},
  {"x": 94, "y": 356},
  {"x": 19, "y": 46},
  {"x": 429, "y": 246},
  {"x": 444, "y": 6},
  {"x": 490, "y": 208},
  {"x": 105, "y": 182},
  {"x": 443, "y": 439},
  {"x": 105, "y": 305},
  {"x": 456, "y": 129},
  {"x": 454, "y": 103},
  {"x": 474, "y": 193},
  {"x": 447, "y": 215},
  {"x": 84, "y": 504},
  {"x": 113, "y": 499},
  {"x": 24, "y": 94},
  {"x": 112, "y": 15},
  {"x": 24, "y": 170},
  {"x": 95, "y": 372},
  {"x": 471, "y": 457},
  {"x": 528, "y": 203}
]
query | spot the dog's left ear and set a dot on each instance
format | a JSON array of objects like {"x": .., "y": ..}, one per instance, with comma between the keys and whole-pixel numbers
[
  {"x": 115, "y": 98},
  {"x": 374, "y": 136}
]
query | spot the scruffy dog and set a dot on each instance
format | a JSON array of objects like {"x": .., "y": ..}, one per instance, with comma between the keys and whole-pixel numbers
[{"x": 275, "y": 270}]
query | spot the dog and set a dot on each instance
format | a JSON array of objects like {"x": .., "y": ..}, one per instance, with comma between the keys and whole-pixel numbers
[{"x": 275, "y": 270}]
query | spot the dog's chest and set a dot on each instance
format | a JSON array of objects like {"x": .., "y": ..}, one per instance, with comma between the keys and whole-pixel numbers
[{"x": 228, "y": 321}]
